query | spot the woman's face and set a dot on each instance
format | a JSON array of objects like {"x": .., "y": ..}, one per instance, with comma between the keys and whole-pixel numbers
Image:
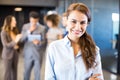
[
  {"x": 76, "y": 24},
  {"x": 13, "y": 22},
  {"x": 49, "y": 23}
]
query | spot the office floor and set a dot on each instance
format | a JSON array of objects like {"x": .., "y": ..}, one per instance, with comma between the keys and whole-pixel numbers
[{"x": 106, "y": 72}]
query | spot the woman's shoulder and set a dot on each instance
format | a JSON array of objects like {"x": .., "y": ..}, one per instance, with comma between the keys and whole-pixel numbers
[
  {"x": 97, "y": 48},
  {"x": 57, "y": 42},
  {"x": 98, "y": 55},
  {"x": 3, "y": 32}
]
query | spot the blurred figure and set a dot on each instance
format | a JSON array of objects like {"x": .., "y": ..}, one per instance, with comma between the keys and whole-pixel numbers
[
  {"x": 34, "y": 39},
  {"x": 64, "y": 23},
  {"x": 10, "y": 52},
  {"x": 54, "y": 32},
  {"x": 64, "y": 19},
  {"x": 117, "y": 38},
  {"x": 76, "y": 56},
  {"x": 116, "y": 45}
]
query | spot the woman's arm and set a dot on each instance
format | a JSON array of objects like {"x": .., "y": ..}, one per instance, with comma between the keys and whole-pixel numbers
[{"x": 5, "y": 41}]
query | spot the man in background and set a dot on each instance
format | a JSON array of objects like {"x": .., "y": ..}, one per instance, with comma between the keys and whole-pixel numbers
[{"x": 34, "y": 39}]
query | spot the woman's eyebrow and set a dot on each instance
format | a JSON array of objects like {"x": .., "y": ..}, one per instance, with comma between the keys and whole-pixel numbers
[
  {"x": 78, "y": 20},
  {"x": 73, "y": 19}
]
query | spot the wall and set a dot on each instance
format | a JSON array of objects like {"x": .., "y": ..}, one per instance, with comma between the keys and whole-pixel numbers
[
  {"x": 29, "y": 2},
  {"x": 101, "y": 25}
]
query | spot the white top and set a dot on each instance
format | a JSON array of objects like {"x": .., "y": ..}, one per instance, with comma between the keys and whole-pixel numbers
[
  {"x": 62, "y": 65},
  {"x": 53, "y": 33}
]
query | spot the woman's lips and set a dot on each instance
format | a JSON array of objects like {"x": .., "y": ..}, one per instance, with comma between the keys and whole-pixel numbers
[{"x": 76, "y": 31}]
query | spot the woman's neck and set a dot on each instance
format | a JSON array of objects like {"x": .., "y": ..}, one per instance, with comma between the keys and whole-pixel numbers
[
  {"x": 54, "y": 27},
  {"x": 72, "y": 39},
  {"x": 74, "y": 44}
]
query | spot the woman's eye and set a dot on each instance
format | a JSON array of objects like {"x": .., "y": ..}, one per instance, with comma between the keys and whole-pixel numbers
[
  {"x": 73, "y": 21},
  {"x": 82, "y": 22}
]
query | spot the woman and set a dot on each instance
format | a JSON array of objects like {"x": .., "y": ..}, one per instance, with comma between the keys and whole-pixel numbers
[
  {"x": 54, "y": 32},
  {"x": 10, "y": 39},
  {"x": 75, "y": 57}
]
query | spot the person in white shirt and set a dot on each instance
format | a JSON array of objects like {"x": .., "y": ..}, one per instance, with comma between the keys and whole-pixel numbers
[{"x": 75, "y": 57}]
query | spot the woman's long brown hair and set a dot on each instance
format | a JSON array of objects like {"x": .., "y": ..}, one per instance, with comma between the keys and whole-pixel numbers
[
  {"x": 7, "y": 25},
  {"x": 86, "y": 43}
]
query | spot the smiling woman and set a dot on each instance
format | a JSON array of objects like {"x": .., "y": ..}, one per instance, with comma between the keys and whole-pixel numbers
[{"x": 76, "y": 57}]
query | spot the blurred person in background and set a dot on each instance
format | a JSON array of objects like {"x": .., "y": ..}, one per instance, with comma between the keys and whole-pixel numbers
[
  {"x": 10, "y": 39},
  {"x": 34, "y": 40},
  {"x": 52, "y": 19},
  {"x": 64, "y": 23}
]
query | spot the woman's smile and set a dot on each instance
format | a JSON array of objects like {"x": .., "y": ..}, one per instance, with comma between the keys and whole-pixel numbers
[{"x": 77, "y": 32}]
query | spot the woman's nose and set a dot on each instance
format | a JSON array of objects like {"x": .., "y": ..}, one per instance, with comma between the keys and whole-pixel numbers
[{"x": 78, "y": 26}]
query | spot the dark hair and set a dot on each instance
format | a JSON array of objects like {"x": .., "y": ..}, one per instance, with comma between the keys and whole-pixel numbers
[
  {"x": 54, "y": 18},
  {"x": 86, "y": 43},
  {"x": 34, "y": 14},
  {"x": 7, "y": 24}
]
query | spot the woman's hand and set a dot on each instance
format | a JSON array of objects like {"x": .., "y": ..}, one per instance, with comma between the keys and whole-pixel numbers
[
  {"x": 18, "y": 37},
  {"x": 95, "y": 77},
  {"x": 16, "y": 47}
]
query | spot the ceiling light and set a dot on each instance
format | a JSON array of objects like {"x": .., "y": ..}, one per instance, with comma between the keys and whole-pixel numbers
[{"x": 18, "y": 9}]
